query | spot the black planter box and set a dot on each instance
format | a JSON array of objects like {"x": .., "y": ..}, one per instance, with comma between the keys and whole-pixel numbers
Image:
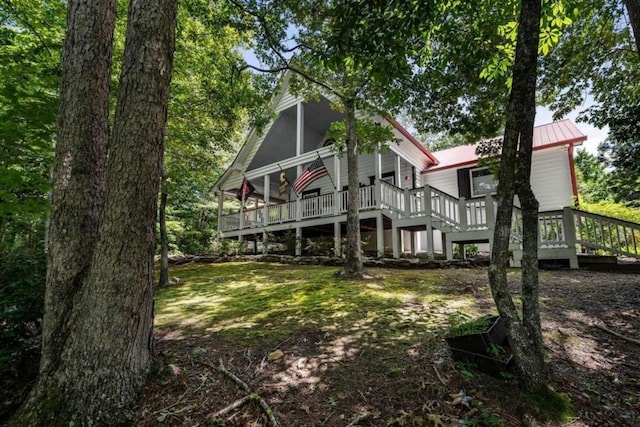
[
  {"x": 481, "y": 342},
  {"x": 490, "y": 365}
]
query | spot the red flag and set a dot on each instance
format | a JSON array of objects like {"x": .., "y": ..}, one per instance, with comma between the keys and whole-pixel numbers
[{"x": 246, "y": 189}]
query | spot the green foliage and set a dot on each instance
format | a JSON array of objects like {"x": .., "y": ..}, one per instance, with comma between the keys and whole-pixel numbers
[
  {"x": 372, "y": 137},
  {"x": 211, "y": 104},
  {"x": 549, "y": 405},
  {"x": 224, "y": 247},
  {"x": 620, "y": 152},
  {"x": 30, "y": 41},
  {"x": 612, "y": 209},
  {"x": 594, "y": 57},
  {"x": 462, "y": 324},
  {"x": 592, "y": 178}
]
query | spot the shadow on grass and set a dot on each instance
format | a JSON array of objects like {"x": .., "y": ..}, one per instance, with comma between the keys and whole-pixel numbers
[{"x": 348, "y": 346}]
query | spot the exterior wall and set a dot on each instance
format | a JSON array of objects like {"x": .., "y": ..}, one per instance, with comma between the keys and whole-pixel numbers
[
  {"x": 444, "y": 180},
  {"x": 551, "y": 178}
]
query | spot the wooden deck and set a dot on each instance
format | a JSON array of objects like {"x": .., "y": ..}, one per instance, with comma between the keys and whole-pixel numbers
[{"x": 562, "y": 233}]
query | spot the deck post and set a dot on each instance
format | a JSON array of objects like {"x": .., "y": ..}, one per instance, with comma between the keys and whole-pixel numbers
[
  {"x": 395, "y": 241},
  {"x": 427, "y": 211},
  {"x": 413, "y": 243},
  {"x": 298, "y": 197},
  {"x": 265, "y": 242},
  {"x": 298, "y": 241},
  {"x": 489, "y": 211},
  {"x": 407, "y": 203},
  {"x": 220, "y": 207},
  {"x": 462, "y": 212},
  {"x": 569, "y": 228},
  {"x": 336, "y": 239},
  {"x": 398, "y": 170},
  {"x": 267, "y": 191},
  {"x": 377, "y": 170},
  {"x": 299, "y": 129},
  {"x": 380, "y": 235},
  {"x": 336, "y": 193}
]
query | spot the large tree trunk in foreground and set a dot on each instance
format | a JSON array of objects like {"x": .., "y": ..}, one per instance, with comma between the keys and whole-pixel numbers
[
  {"x": 519, "y": 130},
  {"x": 78, "y": 185},
  {"x": 164, "y": 239},
  {"x": 353, "y": 261},
  {"x": 107, "y": 354},
  {"x": 633, "y": 9}
]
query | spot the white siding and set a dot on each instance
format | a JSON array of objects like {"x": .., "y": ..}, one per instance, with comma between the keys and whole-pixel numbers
[
  {"x": 444, "y": 180},
  {"x": 551, "y": 178}
]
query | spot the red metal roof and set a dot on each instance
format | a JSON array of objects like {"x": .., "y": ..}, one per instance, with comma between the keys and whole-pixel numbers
[{"x": 545, "y": 136}]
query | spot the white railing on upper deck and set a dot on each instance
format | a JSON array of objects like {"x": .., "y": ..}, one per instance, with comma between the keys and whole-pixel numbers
[
  {"x": 445, "y": 207},
  {"x": 367, "y": 198},
  {"x": 317, "y": 206},
  {"x": 282, "y": 212},
  {"x": 417, "y": 206},
  {"x": 392, "y": 197},
  {"x": 229, "y": 222}
]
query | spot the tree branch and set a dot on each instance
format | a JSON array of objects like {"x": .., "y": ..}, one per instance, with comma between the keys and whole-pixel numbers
[{"x": 26, "y": 23}]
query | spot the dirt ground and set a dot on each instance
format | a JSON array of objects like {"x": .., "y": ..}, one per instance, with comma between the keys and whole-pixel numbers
[{"x": 581, "y": 314}]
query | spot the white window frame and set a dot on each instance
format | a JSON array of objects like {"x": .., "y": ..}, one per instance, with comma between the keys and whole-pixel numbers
[{"x": 473, "y": 193}]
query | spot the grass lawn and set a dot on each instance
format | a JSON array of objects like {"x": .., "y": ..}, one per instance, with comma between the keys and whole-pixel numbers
[{"x": 370, "y": 350}]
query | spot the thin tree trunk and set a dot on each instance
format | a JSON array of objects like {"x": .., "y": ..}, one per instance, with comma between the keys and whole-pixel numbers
[
  {"x": 518, "y": 130},
  {"x": 633, "y": 9},
  {"x": 107, "y": 355},
  {"x": 353, "y": 257},
  {"x": 78, "y": 187},
  {"x": 164, "y": 239}
]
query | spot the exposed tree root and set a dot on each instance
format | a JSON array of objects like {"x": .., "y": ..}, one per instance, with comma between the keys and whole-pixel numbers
[
  {"x": 604, "y": 328},
  {"x": 251, "y": 396},
  {"x": 359, "y": 418}
]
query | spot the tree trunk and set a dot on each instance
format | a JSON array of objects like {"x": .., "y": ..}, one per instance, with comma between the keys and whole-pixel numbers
[
  {"x": 164, "y": 239},
  {"x": 353, "y": 261},
  {"x": 633, "y": 9},
  {"x": 519, "y": 130},
  {"x": 107, "y": 355},
  {"x": 78, "y": 183}
]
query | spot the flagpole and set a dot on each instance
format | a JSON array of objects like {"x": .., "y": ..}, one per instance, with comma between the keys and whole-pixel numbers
[{"x": 328, "y": 174}]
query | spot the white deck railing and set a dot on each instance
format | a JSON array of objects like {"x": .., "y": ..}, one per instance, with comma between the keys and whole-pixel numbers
[
  {"x": 445, "y": 207},
  {"x": 393, "y": 198},
  {"x": 567, "y": 228},
  {"x": 602, "y": 233}
]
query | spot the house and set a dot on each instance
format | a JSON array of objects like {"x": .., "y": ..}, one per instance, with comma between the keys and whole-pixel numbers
[{"x": 411, "y": 200}]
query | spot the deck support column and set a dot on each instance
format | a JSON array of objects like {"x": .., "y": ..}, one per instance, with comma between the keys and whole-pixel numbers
[
  {"x": 395, "y": 241},
  {"x": 298, "y": 241},
  {"x": 266, "y": 197},
  {"x": 426, "y": 197},
  {"x": 336, "y": 239},
  {"x": 265, "y": 241},
  {"x": 220, "y": 207},
  {"x": 447, "y": 247},
  {"x": 336, "y": 194},
  {"x": 398, "y": 171},
  {"x": 413, "y": 243},
  {"x": 380, "y": 235}
]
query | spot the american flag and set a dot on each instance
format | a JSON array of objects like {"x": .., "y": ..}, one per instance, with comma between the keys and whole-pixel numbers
[{"x": 314, "y": 171}]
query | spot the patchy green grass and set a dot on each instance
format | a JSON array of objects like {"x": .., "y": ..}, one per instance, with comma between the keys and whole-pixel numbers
[{"x": 244, "y": 300}]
